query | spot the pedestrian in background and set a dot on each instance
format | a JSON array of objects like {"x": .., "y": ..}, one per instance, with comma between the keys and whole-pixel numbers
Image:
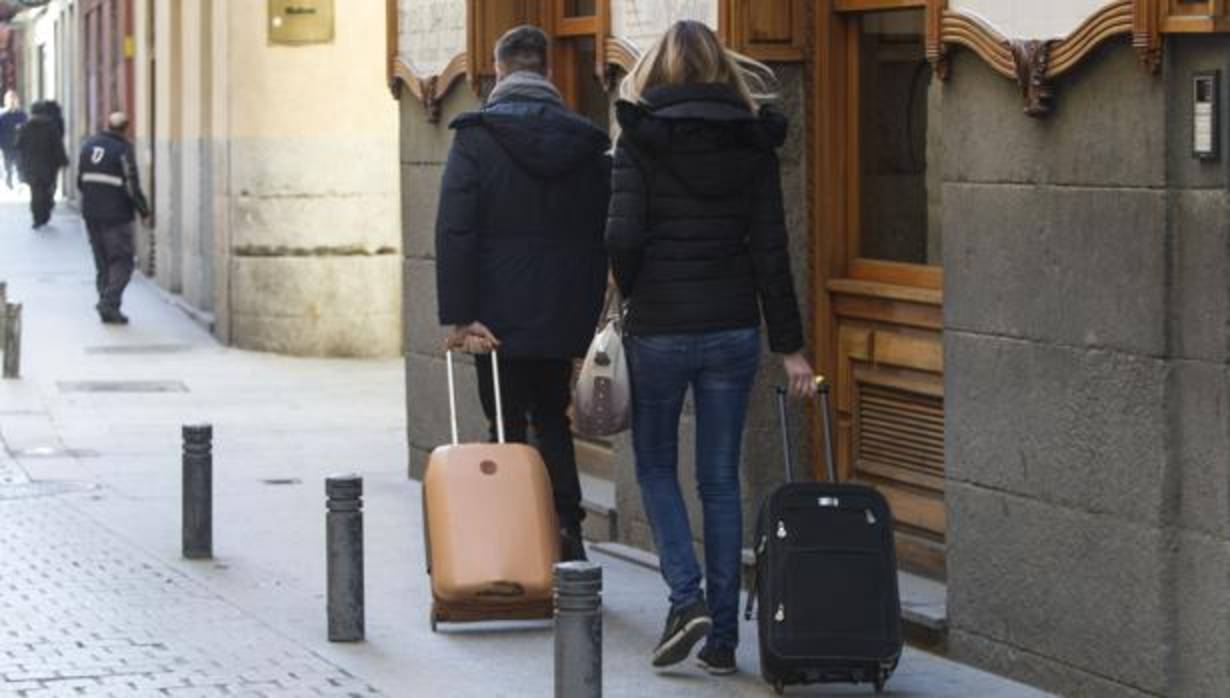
[
  {"x": 41, "y": 155},
  {"x": 55, "y": 113},
  {"x": 698, "y": 246},
  {"x": 11, "y": 121},
  {"x": 520, "y": 258},
  {"x": 111, "y": 197}
]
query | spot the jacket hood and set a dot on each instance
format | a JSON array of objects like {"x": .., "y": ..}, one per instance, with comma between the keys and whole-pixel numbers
[
  {"x": 703, "y": 133},
  {"x": 541, "y": 136}
]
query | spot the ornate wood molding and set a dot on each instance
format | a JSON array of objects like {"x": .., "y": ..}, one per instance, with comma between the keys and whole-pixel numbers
[
  {"x": 1146, "y": 33},
  {"x": 431, "y": 90},
  {"x": 621, "y": 52},
  {"x": 1035, "y": 63},
  {"x": 1033, "y": 59}
]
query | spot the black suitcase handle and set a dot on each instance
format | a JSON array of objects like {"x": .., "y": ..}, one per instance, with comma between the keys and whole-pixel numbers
[{"x": 783, "y": 418}]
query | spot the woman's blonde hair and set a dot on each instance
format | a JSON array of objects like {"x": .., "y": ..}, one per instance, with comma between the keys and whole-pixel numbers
[{"x": 690, "y": 52}]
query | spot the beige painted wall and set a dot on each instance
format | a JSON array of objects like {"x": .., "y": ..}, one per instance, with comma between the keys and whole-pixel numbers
[{"x": 277, "y": 178}]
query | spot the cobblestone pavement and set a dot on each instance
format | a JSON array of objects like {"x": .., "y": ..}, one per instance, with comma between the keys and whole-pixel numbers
[{"x": 82, "y": 613}]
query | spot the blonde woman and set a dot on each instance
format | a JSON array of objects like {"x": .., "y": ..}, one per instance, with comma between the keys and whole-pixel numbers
[{"x": 698, "y": 246}]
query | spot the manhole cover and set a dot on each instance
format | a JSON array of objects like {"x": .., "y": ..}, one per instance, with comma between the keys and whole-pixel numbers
[
  {"x": 282, "y": 481},
  {"x": 54, "y": 452},
  {"x": 139, "y": 349},
  {"x": 122, "y": 387}
]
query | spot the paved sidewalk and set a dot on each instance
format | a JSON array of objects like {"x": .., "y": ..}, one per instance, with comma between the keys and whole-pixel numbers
[{"x": 95, "y": 600}]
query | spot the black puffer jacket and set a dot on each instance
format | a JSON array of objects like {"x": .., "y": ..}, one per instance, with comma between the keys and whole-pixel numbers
[
  {"x": 519, "y": 230},
  {"x": 40, "y": 147},
  {"x": 696, "y": 231}
]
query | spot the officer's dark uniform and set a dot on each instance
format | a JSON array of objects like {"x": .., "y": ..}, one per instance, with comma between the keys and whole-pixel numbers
[{"x": 110, "y": 198}]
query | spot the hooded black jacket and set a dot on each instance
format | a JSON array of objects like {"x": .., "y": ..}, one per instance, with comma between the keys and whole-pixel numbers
[
  {"x": 696, "y": 232},
  {"x": 520, "y": 225},
  {"x": 40, "y": 147}
]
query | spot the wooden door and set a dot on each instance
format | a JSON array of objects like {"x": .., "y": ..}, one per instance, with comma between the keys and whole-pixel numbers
[{"x": 880, "y": 294}]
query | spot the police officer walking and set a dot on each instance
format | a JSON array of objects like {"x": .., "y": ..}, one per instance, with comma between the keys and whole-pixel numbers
[{"x": 110, "y": 198}]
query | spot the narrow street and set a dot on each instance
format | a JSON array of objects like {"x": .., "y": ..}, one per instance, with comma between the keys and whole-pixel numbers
[{"x": 95, "y": 599}]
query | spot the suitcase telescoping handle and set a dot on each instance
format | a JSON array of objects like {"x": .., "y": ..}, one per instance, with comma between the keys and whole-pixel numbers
[
  {"x": 452, "y": 396},
  {"x": 822, "y": 390},
  {"x": 826, "y": 419}
]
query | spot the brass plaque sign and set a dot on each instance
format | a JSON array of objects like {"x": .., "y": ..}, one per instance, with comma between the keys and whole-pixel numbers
[{"x": 300, "y": 21}]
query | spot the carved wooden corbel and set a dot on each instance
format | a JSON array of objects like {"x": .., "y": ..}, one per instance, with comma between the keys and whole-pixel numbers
[
  {"x": 430, "y": 90},
  {"x": 1146, "y": 34},
  {"x": 1032, "y": 58}
]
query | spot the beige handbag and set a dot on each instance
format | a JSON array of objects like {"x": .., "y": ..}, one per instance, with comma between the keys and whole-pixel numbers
[{"x": 602, "y": 399}]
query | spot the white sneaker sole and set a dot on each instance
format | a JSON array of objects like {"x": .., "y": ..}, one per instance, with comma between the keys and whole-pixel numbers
[
  {"x": 670, "y": 653},
  {"x": 715, "y": 670}
]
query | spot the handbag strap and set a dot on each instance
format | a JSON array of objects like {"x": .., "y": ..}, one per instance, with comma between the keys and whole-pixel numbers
[{"x": 613, "y": 310}]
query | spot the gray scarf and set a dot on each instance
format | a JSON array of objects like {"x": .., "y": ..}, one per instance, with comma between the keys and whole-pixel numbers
[{"x": 525, "y": 84}]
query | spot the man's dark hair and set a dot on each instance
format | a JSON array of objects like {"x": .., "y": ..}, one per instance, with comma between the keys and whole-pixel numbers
[{"x": 523, "y": 48}]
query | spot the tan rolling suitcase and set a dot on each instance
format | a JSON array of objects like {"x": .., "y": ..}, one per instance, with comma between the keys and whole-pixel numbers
[{"x": 491, "y": 531}]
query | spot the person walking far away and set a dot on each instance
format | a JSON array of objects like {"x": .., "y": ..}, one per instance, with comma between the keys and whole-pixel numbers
[
  {"x": 110, "y": 199},
  {"x": 11, "y": 121},
  {"x": 698, "y": 245},
  {"x": 520, "y": 259},
  {"x": 41, "y": 155}
]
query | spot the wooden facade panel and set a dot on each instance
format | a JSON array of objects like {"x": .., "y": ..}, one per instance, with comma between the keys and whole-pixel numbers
[
  {"x": 768, "y": 30},
  {"x": 907, "y": 351},
  {"x": 486, "y": 20}
]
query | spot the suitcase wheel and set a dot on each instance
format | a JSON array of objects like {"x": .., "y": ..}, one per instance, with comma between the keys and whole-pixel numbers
[
  {"x": 431, "y": 618},
  {"x": 879, "y": 681}
]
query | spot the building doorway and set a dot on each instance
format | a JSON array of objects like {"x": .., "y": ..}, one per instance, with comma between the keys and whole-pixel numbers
[{"x": 880, "y": 287}]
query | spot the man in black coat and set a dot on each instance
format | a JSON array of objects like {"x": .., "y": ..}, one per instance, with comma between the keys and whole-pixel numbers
[
  {"x": 520, "y": 259},
  {"x": 40, "y": 152},
  {"x": 110, "y": 199}
]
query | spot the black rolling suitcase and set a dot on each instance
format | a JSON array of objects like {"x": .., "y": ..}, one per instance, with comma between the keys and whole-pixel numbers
[{"x": 826, "y": 578}]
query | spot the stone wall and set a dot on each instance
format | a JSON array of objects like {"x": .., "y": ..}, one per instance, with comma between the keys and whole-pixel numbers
[
  {"x": 275, "y": 177},
  {"x": 424, "y": 150},
  {"x": 1087, "y": 339}
]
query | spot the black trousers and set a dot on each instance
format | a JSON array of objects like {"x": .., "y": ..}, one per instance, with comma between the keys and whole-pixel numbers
[
  {"x": 42, "y": 199},
  {"x": 537, "y": 392},
  {"x": 113, "y": 260}
]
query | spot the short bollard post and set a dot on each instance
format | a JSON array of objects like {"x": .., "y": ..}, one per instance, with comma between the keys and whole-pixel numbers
[
  {"x": 12, "y": 340},
  {"x": 344, "y": 557},
  {"x": 198, "y": 491},
  {"x": 578, "y": 630}
]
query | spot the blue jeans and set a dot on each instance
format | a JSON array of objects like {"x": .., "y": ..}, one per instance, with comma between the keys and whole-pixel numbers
[{"x": 720, "y": 367}]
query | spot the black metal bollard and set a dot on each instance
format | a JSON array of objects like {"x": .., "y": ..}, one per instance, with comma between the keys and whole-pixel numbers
[
  {"x": 198, "y": 475},
  {"x": 578, "y": 630},
  {"x": 12, "y": 340},
  {"x": 344, "y": 557}
]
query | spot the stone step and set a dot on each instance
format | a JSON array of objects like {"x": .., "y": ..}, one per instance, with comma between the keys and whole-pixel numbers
[
  {"x": 598, "y": 501},
  {"x": 924, "y": 602},
  {"x": 595, "y": 459}
]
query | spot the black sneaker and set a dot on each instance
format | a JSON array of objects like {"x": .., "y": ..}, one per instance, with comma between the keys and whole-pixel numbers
[
  {"x": 684, "y": 628},
  {"x": 571, "y": 545},
  {"x": 719, "y": 661},
  {"x": 111, "y": 316}
]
